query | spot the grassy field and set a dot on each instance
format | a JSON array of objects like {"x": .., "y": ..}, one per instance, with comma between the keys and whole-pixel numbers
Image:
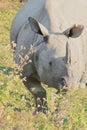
[{"x": 66, "y": 111}]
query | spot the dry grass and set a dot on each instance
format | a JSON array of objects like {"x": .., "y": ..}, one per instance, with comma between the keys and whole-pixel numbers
[{"x": 8, "y": 5}]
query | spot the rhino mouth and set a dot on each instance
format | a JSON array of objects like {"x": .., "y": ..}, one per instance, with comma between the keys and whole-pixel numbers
[
  {"x": 61, "y": 88},
  {"x": 60, "y": 83}
]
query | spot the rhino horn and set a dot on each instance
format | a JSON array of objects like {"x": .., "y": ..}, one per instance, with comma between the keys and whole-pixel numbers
[{"x": 68, "y": 54}]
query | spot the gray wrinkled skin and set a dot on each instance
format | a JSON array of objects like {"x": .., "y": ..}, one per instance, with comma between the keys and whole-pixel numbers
[{"x": 59, "y": 47}]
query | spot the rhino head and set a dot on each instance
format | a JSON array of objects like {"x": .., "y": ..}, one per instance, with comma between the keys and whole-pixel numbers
[{"x": 52, "y": 57}]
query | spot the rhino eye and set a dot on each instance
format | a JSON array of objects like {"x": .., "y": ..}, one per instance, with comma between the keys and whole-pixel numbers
[
  {"x": 50, "y": 63},
  {"x": 46, "y": 39}
]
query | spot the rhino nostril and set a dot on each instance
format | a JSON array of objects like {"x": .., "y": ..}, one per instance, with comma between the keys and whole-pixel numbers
[{"x": 63, "y": 81}]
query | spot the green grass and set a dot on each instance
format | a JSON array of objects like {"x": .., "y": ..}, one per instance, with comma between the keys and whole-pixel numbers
[{"x": 66, "y": 112}]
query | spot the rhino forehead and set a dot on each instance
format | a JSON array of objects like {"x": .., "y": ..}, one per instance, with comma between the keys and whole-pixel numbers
[
  {"x": 57, "y": 45},
  {"x": 57, "y": 38}
]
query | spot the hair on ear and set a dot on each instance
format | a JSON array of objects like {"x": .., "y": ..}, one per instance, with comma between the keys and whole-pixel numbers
[{"x": 74, "y": 31}]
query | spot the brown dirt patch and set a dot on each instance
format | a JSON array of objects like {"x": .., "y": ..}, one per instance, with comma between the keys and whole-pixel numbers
[{"x": 7, "y": 5}]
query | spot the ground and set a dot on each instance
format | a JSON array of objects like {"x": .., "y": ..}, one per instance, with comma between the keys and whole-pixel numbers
[{"x": 66, "y": 111}]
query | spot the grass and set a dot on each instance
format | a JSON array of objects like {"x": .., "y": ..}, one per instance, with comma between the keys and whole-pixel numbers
[{"x": 66, "y": 112}]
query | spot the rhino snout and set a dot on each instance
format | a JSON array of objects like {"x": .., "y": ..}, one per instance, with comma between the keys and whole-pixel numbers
[
  {"x": 63, "y": 82},
  {"x": 59, "y": 82}
]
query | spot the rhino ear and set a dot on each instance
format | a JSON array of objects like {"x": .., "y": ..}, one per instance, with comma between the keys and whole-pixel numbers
[
  {"x": 37, "y": 27},
  {"x": 74, "y": 31}
]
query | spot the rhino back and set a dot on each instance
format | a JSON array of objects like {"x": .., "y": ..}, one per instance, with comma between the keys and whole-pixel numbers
[
  {"x": 62, "y": 14},
  {"x": 30, "y": 8}
]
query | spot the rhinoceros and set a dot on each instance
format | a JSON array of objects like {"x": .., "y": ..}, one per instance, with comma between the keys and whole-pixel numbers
[{"x": 57, "y": 31}]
